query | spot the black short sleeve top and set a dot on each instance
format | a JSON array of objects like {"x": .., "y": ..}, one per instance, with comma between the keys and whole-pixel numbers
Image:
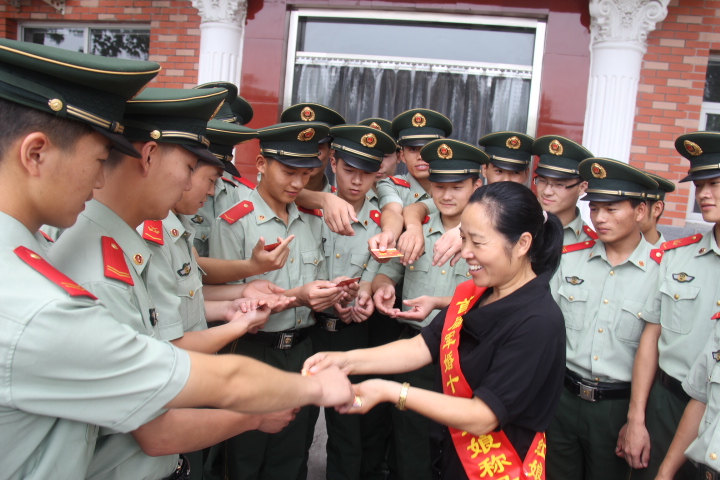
[{"x": 512, "y": 353}]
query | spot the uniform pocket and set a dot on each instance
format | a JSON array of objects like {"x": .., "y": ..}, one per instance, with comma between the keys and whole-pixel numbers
[
  {"x": 358, "y": 264},
  {"x": 629, "y": 326},
  {"x": 676, "y": 303},
  {"x": 713, "y": 389},
  {"x": 310, "y": 262},
  {"x": 573, "y": 303}
]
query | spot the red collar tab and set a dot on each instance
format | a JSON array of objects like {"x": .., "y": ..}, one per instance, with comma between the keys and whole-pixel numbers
[
  {"x": 153, "y": 231},
  {"x": 47, "y": 237},
  {"x": 312, "y": 211},
  {"x": 375, "y": 216},
  {"x": 114, "y": 259},
  {"x": 227, "y": 180},
  {"x": 590, "y": 232},
  {"x": 42, "y": 266},
  {"x": 399, "y": 181},
  {"x": 237, "y": 212},
  {"x": 245, "y": 182}
]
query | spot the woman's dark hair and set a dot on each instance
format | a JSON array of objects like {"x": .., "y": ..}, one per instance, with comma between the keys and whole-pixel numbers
[{"x": 514, "y": 210}]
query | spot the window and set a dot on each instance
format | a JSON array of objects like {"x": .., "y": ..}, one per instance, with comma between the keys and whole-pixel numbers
[
  {"x": 481, "y": 72},
  {"x": 109, "y": 41},
  {"x": 709, "y": 119}
]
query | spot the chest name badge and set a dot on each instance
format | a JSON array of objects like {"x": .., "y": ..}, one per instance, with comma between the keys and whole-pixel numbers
[
  {"x": 682, "y": 277},
  {"x": 574, "y": 280},
  {"x": 197, "y": 219},
  {"x": 185, "y": 270},
  {"x": 716, "y": 355}
]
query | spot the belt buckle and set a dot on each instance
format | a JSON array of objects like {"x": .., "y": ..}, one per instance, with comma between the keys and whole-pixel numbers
[
  {"x": 587, "y": 392},
  {"x": 285, "y": 341},
  {"x": 331, "y": 324}
]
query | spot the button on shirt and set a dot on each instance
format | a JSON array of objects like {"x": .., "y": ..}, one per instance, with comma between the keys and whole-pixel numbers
[
  {"x": 685, "y": 296},
  {"x": 52, "y": 348},
  {"x": 175, "y": 281},
  {"x": 78, "y": 252},
  {"x": 703, "y": 384},
  {"x": 602, "y": 307},
  {"x": 421, "y": 278},
  {"x": 305, "y": 264},
  {"x": 389, "y": 192}
]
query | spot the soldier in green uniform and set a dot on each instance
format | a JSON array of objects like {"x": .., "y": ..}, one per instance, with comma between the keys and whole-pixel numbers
[
  {"x": 559, "y": 185},
  {"x": 656, "y": 207},
  {"x": 686, "y": 296},
  {"x": 601, "y": 291},
  {"x": 230, "y": 188},
  {"x": 413, "y": 129},
  {"x": 390, "y": 160},
  {"x": 359, "y": 152},
  {"x": 454, "y": 176},
  {"x": 61, "y": 113},
  {"x": 510, "y": 156},
  {"x": 289, "y": 152},
  {"x": 313, "y": 112}
]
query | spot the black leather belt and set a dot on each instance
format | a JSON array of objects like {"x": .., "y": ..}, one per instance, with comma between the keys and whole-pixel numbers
[
  {"x": 674, "y": 385},
  {"x": 280, "y": 340},
  {"x": 707, "y": 473},
  {"x": 330, "y": 323},
  {"x": 182, "y": 471},
  {"x": 595, "y": 391}
]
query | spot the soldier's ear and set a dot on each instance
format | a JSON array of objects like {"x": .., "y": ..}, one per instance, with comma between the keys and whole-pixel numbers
[{"x": 261, "y": 163}]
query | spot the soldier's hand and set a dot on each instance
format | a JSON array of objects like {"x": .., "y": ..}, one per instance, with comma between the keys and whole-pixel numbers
[
  {"x": 349, "y": 291},
  {"x": 321, "y": 295},
  {"x": 261, "y": 289},
  {"x": 339, "y": 215},
  {"x": 383, "y": 241},
  {"x": 448, "y": 248},
  {"x": 364, "y": 307},
  {"x": 384, "y": 299},
  {"x": 254, "y": 319},
  {"x": 636, "y": 445},
  {"x": 421, "y": 307},
  {"x": 265, "y": 261},
  {"x": 336, "y": 388},
  {"x": 278, "y": 303},
  {"x": 276, "y": 421},
  {"x": 321, "y": 361},
  {"x": 411, "y": 244},
  {"x": 344, "y": 313}
]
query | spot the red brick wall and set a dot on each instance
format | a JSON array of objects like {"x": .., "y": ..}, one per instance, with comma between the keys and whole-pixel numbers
[
  {"x": 670, "y": 94},
  {"x": 174, "y": 29}
]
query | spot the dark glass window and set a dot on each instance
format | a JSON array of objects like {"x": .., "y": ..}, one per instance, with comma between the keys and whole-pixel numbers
[{"x": 126, "y": 43}]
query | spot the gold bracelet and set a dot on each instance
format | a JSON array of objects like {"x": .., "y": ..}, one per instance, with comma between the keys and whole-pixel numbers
[{"x": 400, "y": 405}]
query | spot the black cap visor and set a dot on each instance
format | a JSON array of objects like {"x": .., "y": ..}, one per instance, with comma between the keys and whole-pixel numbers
[
  {"x": 231, "y": 169},
  {"x": 701, "y": 175},
  {"x": 360, "y": 163},
  {"x": 451, "y": 177},
  {"x": 296, "y": 162},
  {"x": 120, "y": 143},
  {"x": 514, "y": 167},
  {"x": 603, "y": 197},
  {"x": 204, "y": 154},
  {"x": 546, "y": 172}
]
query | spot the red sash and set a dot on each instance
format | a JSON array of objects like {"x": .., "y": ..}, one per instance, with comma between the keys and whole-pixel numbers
[{"x": 491, "y": 456}]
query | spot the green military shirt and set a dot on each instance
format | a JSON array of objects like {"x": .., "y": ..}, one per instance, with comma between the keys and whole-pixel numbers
[
  {"x": 686, "y": 295},
  {"x": 421, "y": 278},
  {"x": 349, "y": 256},
  {"x": 174, "y": 278},
  {"x": 602, "y": 307},
  {"x": 575, "y": 231},
  {"x": 703, "y": 384},
  {"x": 306, "y": 262},
  {"x": 228, "y": 192},
  {"x": 79, "y": 252},
  {"x": 67, "y": 365},
  {"x": 389, "y": 191}
]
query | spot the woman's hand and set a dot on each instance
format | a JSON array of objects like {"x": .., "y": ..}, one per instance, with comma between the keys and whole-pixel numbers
[
  {"x": 370, "y": 393},
  {"x": 421, "y": 307}
]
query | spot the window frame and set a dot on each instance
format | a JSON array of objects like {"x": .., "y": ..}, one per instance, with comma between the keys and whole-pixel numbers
[
  {"x": 86, "y": 27},
  {"x": 535, "y": 70}
]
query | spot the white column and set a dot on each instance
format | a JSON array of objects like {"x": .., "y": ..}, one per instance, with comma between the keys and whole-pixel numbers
[
  {"x": 618, "y": 41},
  {"x": 221, "y": 39}
]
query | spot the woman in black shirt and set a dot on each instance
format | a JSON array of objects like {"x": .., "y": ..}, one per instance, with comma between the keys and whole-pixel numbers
[{"x": 511, "y": 346}]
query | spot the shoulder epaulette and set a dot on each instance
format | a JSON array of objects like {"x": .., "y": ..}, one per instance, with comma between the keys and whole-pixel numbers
[
  {"x": 375, "y": 216},
  {"x": 426, "y": 219},
  {"x": 47, "y": 237},
  {"x": 399, "y": 181},
  {"x": 51, "y": 273},
  {"x": 312, "y": 211},
  {"x": 114, "y": 260},
  {"x": 333, "y": 189},
  {"x": 245, "y": 182},
  {"x": 227, "y": 180},
  {"x": 237, "y": 212},
  {"x": 153, "y": 231},
  {"x": 574, "y": 247},
  {"x": 658, "y": 253},
  {"x": 716, "y": 316},
  {"x": 590, "y": 232}
]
